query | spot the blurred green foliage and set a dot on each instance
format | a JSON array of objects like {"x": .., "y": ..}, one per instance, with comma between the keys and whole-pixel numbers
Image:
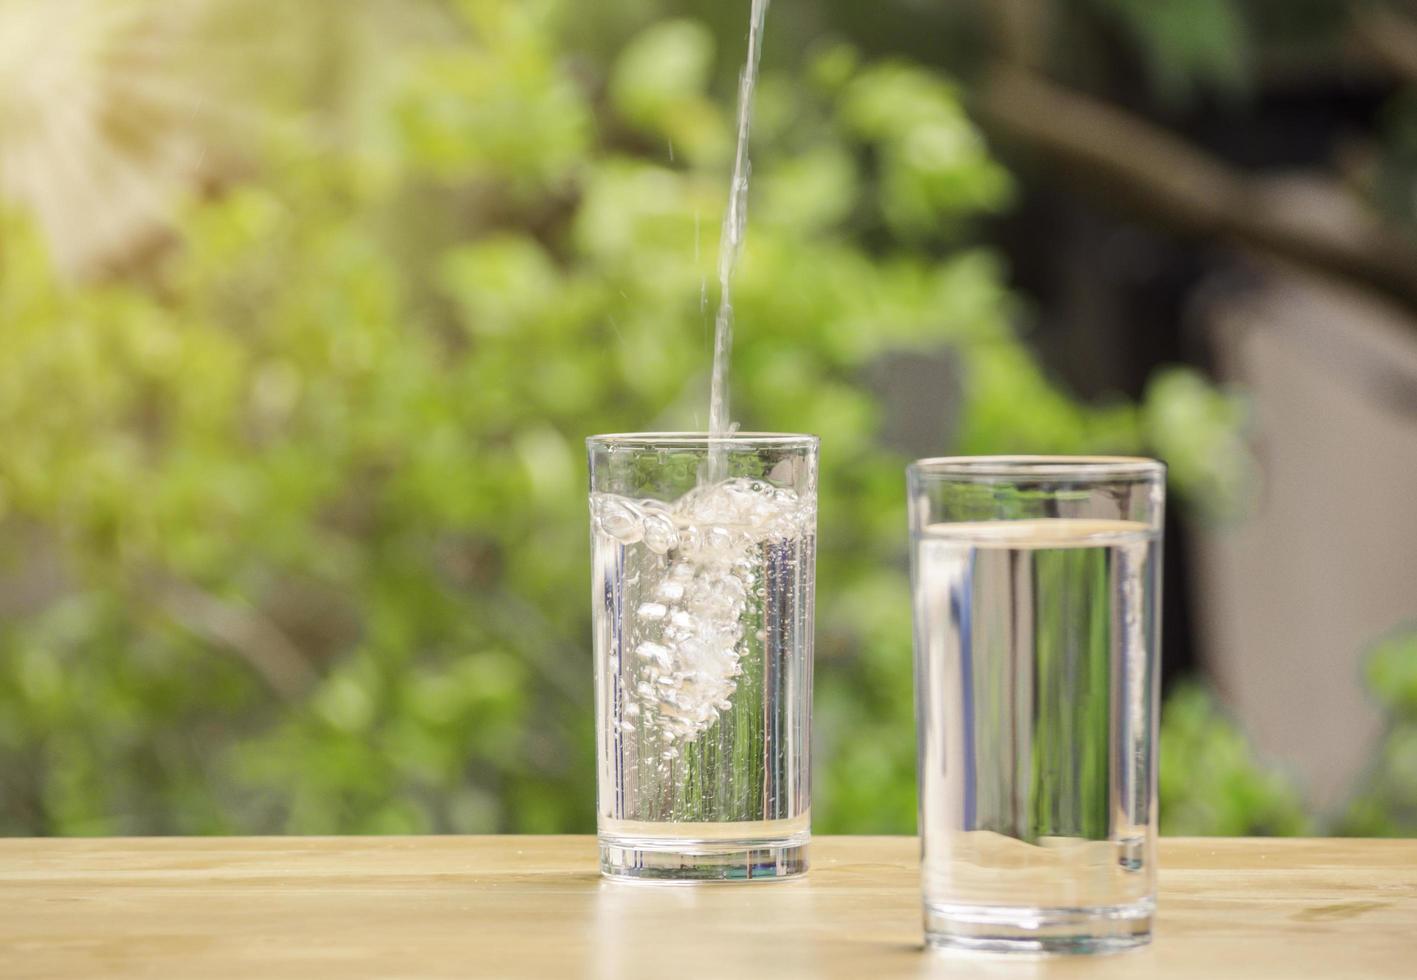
[
  {"x": 1210, "y": 781},
  {"x": 1386, "y": 803},
  {"x": 292, "y": 520},
  {"x": 1201, "y": 432}
]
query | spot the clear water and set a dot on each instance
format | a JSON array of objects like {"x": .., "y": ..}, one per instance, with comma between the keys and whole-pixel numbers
[
  {"x": 1035, "y": 645},
  {"x": 735, "y": 225},
  {"x": 703, "y": 612}
]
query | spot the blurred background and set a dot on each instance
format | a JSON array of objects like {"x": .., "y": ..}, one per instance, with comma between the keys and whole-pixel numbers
[{"x": 306, "y": 310}]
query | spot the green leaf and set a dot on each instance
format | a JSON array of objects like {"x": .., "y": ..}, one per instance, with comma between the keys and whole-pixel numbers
[
  {"x": 1189, "y": 45},
  {"x": 1391, "y": 673}
]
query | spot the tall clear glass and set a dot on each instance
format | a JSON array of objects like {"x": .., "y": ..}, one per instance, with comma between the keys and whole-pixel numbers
[
  {"x": 704, "y": 554},
  {"x": 1037, "y": 588}
]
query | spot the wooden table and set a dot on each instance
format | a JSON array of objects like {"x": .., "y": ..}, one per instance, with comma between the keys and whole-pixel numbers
[{"x": 535, "y": 907}]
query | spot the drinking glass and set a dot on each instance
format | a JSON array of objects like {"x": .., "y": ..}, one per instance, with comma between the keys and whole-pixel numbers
[
  {"x": 704, "y": 556},
  {"x": 1037, "y": 587}
]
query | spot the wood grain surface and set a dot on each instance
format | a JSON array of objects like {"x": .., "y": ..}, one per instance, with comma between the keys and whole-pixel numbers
[{"x": 535, "y": 907}]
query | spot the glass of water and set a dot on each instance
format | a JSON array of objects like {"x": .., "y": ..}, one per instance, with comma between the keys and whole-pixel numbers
[
  {"x": 704, "y": 555},
  {"x": 1037, "y": 589}
]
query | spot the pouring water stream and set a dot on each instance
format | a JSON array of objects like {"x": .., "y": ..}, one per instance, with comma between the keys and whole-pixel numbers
[{"x": 735, "y": 226}]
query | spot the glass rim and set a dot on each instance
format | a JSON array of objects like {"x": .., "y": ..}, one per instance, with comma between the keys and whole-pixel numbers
[
  {"x": 1029, "y": 467},
  {"x": 698, "y": 440}
]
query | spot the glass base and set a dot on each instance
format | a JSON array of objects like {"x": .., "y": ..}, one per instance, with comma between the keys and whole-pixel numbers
[
  {"x": 689, "y": 861},
  {"x": 996, "y": 929}
]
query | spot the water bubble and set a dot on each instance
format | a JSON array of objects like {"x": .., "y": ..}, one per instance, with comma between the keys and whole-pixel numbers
[
  {"x": 738, "y": 494},
  {"x": 690, "y": 541},
  {"x": 732, "y": 587},
  {"x": 718, "y": 539},
  {"x": 691, "y": 619},
  {"x": 619, "y": 519},
  {"x": 659, "y": 534},
  {"x": 650, "y": 651},
  {"x": 652, "y": 611}
]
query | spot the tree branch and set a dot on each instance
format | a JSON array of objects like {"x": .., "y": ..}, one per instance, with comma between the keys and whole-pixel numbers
[
  {"x": 1127, "y": 160},
  {"x": 244, "y": 631},
  {"x": 1388, "y": 38},
  {"x": 1020, "y": 29}
]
